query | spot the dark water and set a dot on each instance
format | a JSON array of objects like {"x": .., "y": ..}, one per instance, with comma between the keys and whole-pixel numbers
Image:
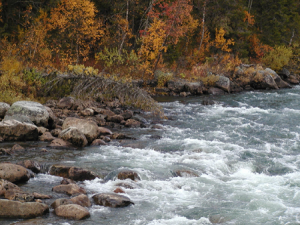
[{"x": 244, "y": 149}]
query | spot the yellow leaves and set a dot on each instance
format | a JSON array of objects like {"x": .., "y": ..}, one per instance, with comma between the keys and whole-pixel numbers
[
  {"x": 220, "y": 42},
  {"x": 249, "y": 18}
]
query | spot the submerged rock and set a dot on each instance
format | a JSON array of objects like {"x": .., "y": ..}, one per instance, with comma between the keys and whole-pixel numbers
[
  {"x": 73, "y": 173},
  {"x": 25, "y": 210},
  {"x": 112, "y": 200},
  {"x": 69, "y": 189},
  {"x": 127, "y": 174}
]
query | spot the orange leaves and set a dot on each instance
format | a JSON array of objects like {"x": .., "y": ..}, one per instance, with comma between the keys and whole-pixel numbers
[
  {"x": 257, "y": 48},
  {"x": 220, "y": 42},
  {"x": 249, "y": 18}
]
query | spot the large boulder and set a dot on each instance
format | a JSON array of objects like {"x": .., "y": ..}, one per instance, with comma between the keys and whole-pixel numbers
[
  {"x": 30, "y": 164},
  {"x": 263, "y": 80},
  {"x": 112, "y": 200},
  {"x": 128, "y": 174},
  {"x": 13, "y": 173},
  {"x": 35, "y": 111},
  {"x": 25, "y": 210},
  {"x": 7, "y": 186},
  {"x": 60, "y": 144},
  {"x": 215, "y": 91},
  {"x": 176, "y": 86},
  {"x": 87, "y": 127},
  {"x": 18, "y": 195},
  {"x": 82, "y": 200},
  {"x": 3, "y": 108},
  {"x": 71, "y": 172},
  {"x": 72, "y": 211},
  {"x": 13, "y": 130},
  {"x": 66, "y": 103},
  {"x": 75, "y": 136},
  {"x": 195, "y": 88},
  {"x": 223, "y": 83},
  {"x": 69, "y": 189},
  {"x": 61, "y": 201},
  {"x": 280, "y": 83}
]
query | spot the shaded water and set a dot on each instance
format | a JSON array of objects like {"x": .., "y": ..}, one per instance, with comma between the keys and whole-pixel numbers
[{"x": 245, "y": 150}]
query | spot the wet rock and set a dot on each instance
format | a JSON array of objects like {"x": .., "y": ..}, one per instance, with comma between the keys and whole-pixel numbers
[
  {"x": 157, "y": 126},
  {"x": 127, "y": 114},
  {"x": 112, "y": 200},
  {"x": 119, "y": 190},
  {"x": 235, "y": 88},
  {"x": 13, "y": 173},
  {"x": 280, "y": 83},
  {"x": 13, "y": 130},
  {"x": 127, "y": 174},
  {"x": 293, "y": 80},
  {"x": 217, "y": 219},
  {"x": 61, "y": 201},
  {"x": 69, "y": 189},
  {"x": 104, "y": 131},
  {"x": 41, "y": 196},
  {"x": 5, "y": 151},
  {"x": 16, "y": 209},
  {"x": 87, "y": 112},
  {"x": 46, "y": 137},
  {"x": 121, "y": 136},
  {"x": 17, "y": 147},
  {"x": 263, "y": 80},
  {"x": 67, "y": 181},
  {"x": 185, "y": 173},
  {"x": 74, "y": 136},
  {"x": 74, "y": 173},
  {"x": 139, "y": 118},
  {"x": 30, "y": 164},
  {"x": 35, "y": 111},
  {"x": 66, "y": 103},
  {"x": 87, "y": 127},
  {"x": 6, "y": 186},
  {"x": 81, "y": 200},
  {"x": 115, "y": 118},
  {"x": 60, "y": 144},
  {"x": 215, "y": 91},
  {"x": 125, "y": 185},
  {"x": 176, "y": 86},
  {"x": 3, "y": 109},
  {"x": 55, "y": 132},
  {"x": 105, "y": 138},
  {"x": 98, "y": 142},
  {"x": 223, "y": 83},
  {"x": 132, "y": 123},
  {"x": 72, "y": 211},
  {"x": 18, "y": 195}
]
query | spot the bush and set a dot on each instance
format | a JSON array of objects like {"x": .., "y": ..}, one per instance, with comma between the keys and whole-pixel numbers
[
  {"x": 162, "y": 77},
  {"x": 82, "y": 70},
  {"x": 278, "y": 57}
]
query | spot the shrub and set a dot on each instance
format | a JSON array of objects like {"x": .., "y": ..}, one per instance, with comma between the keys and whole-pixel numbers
[
  {"x": 278, "y": 57},
  {"x": 162, "y": 77},
  {"x": 82, "y": 70}
]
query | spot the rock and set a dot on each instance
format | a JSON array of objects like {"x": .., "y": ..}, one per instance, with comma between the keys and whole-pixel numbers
[
  {"x": 69, "y": 189},
  {"x": 74, "y": 173},
  {"x": 66, "y": 103},
  {"x": 121, "y": 136},
  {"x": 72, "y": 211},
  {"x": 5, "y": 151},
  {"x": 104, "y": 131},
  {"x": 16, "y": 209},
  {"x": 215, "y": 91},
  {"x": 284, "y": 73},
  {"x": 3, "y": 109},
  {"x": 119, "y": 190},
  {"x": 41, "y": 196},
  {"x": 132, "y": 123},
  {"x": 115, "y": 118},
  {"x": 280, "y": 83},
  {"x": 55, "y": 132},
  {"x": 87, "y": 112},
  {"x": 61, "y": 201},
  {"x": 98, "y": 142},
  {"x": 263, "y": 80},
  {"x": 52, "y": 118},
  {"x": 105, "y": 138},
  {"x": 112, "y": 200},
  {"x": 158, "y": 126},
  {"x": 13, "y": 173},
  {"x": 195, "y": 88},
  {"x": 235, "y": 88},
  {"x": 185, "y": 173},
  {"x": 106, "y": 112},
  {"x": 60, "y": 144},
  {"x": 47, "y": 137},
  {"x": 51, "y": 103},
  {"x": 292, "y": 80},
  {"x": 13, "y": 130},
  {"x": 67, "y": 181},
  {"x": 208, "y": 102},
  {"x": 7, "y": 186},
  {"x": 127, "y": 174},
  {"x": 139, "y": 118},
  {"x": 223, "y": 83},
  {"x": 176, "y": 86},
  {"x": 18, "y": 195},
  {"x": 87, "y": 127},
  {"x": 125, "y": 185},
  {"x": 20, "y": 118},
  {"x": 42, "y": 130},
  {"x": 30, "y": 164},
  {"x": 162, "y": 90},
  {"x": 35, "y": 111},
  {"x": 82, "y": 200},
  {"x": 127, "y": 114},
  {"x": 183, "y": 94},
  {"x": 100, "y": 119},
  {"x": 17, "y": 147},
  {"x": 74, "y": 136}
]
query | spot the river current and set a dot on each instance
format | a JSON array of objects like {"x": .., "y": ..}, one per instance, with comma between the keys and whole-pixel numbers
[{"x": 239, "y": 160}]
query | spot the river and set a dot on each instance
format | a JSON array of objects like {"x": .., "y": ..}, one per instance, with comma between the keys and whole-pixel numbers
[{"x": 239, "y": 157}]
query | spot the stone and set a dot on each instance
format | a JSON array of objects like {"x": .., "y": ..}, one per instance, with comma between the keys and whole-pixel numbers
[
  {"x": 284, "y": 73},
  {"x": 293, "y": 80},
  {"x": 106, "y": 112},
  {"x": 185, "y": 173},
  {"x": 66, "y": 103},
  {"x": 195, "y": 88},
  {"x": 55, "y": 132},
  {"x": 127, "y": 114},
  {"x": 104, "y": 131},
  {"x": 98, "y": 142},
  {"x": 31, "y": 165},
  {"x": 3, "y": 109},
  {"x": 127, "y": 174},
  {"x": 119, "y": 190},
  {"x": 81, "y": 200},
  {"x": 52, "y": 118},
  {"x": 87, "y": 112},
  {"x": 115, "y": 118},
  {"x": 139, "y": 118},
  {"x": 235, "y": 88},
  {"x": 5, "y": 151},
  {"x": 47, "y": 137},
  {"x": 125, "y": 185},
  {"x": 223, "y": 83},
  {"x": 132, "y": 123},
  {"x": 112, "y": 200},
  {"x": 280, "y": 83},
  {"x": 72, "y": 211},
  {"x": 13, "y": 130},
  {"x": 74, "y": 136},
  {"x": 42, "y": 130},
  {"x": 69, "y": 189},
  {"x": 67, "y": 181},
  {"x": 87, "y": 127},
  {"x": 215, "y": 91},
  {"x": 263, "y": 80},
  {"x": 35, "y": 111},
  {"x": 13, "y": 173},
  {"x": 41, "y": 196},
  {"x": 176, "y": 86},
  {"x": 60, "y": 144},
  {"x": 5, "y": 185},
  {"x": 73, "y": 173},
  {"x": 22, "y": 210},
  {"x": 61, "y": 201},
  {"x": 121, "y": 136},
  {"x": 17, "y": 147},
  {"x": 18, "y": 195}
]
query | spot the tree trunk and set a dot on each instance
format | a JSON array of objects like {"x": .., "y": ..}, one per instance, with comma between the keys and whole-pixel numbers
[{"x": 203, "y": 25}]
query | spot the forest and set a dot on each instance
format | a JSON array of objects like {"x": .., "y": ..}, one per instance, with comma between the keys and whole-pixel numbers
[{"x": 132, "y": 39}]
